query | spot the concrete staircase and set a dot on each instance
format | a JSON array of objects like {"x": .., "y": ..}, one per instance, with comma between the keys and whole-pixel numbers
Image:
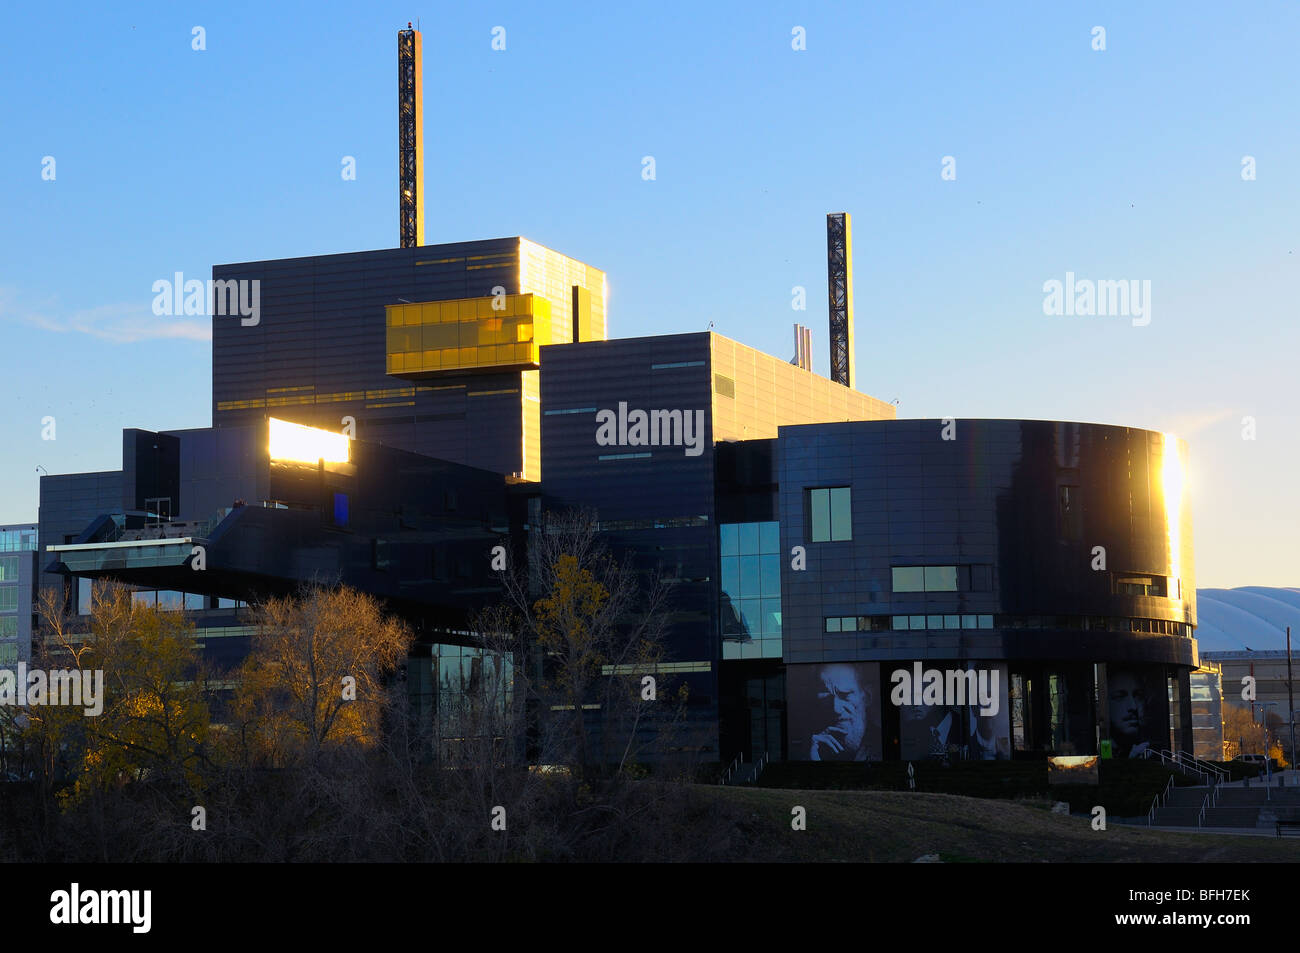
[{"x": 1239, "y": 805}]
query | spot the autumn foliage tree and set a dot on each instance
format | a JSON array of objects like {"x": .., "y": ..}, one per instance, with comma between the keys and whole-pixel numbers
[{"x": 315, "y": 674}]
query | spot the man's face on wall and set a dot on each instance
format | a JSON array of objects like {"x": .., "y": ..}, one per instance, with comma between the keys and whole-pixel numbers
[
  {"x": 1128, "y": 705},
  {"x": 840, "y": 688}
]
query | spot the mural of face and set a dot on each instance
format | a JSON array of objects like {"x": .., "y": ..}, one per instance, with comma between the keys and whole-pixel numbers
[
  {"x": 1128, "y": 706},
  {"x": 848, "y": 699}
]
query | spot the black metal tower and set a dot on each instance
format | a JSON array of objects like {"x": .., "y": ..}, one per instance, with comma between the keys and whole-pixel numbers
[
  {"x": 410, "y": 139},
  {"x": 839, "y": 283}
]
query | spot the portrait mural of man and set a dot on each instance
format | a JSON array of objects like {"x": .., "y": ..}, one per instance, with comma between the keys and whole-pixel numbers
[
  {"x": 832, "y": 711},
  {"x": 1138, "y": 710},
  {"x": 989, "y": 736},
  {"x": 926, "y": 731}
]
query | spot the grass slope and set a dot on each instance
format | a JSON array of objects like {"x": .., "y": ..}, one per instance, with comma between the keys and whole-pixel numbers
[{"x": 887, "y": 826}]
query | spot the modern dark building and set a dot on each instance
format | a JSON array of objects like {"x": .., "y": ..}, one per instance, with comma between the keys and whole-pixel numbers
[
  {"x": 430, "y": 402},
  {"x": 404, "y": 347},
  {"x": 18, "y": 571}
]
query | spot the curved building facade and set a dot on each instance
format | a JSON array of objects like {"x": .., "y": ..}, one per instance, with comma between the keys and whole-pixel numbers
[{"x": 1043, "y": 567}]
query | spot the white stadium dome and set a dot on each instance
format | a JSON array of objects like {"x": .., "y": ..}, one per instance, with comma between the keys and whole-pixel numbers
[{"x": 1249, "y": 617}]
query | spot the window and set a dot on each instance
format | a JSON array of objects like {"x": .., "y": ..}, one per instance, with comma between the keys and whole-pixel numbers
[
  {"x": 925, "y": 578},
  {"x": 8, "y": 598},
  {"x": 1140, "y": 585},
  {"x": 8, "y": 653},
  {"x": 9, "y": 627},
  {"x": 940, "y": 578},
  {"x": 909, "y": 579},
  {"x": 848, "y": 623},
  {"x": 830, "y": 514},
  {"x": 750, "y": 574},
  {"x": 8, "y": 568}
]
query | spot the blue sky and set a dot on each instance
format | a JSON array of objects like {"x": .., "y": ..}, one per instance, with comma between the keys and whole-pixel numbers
[{"x": 1123, "y": 163}]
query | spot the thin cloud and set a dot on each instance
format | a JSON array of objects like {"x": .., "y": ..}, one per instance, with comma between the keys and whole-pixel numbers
[
  {"x": 119, "y": 323},
  {"x": 1185, "y": 425}
]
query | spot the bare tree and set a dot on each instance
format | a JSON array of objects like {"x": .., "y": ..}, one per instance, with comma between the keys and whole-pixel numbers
[{"x": 589, "y": 635}]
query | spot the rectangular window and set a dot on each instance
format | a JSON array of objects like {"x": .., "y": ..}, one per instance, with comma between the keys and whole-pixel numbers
[
  {"x": 830, "y": 514},
  {"x": 8, "y": 653},
  {"x": 940, "y": 578},
  {"x": 1140, "y": 586},
  {"x": 900, "y": 623},
  {"x": 909, "y": 579},
  {"x": 925, "y": 578},
  {"x": 8, "y": 568},
  {"x": 833, "y": 624},
  {"x": 8, "y": 599},
  {"x": 9, "y": 627}
]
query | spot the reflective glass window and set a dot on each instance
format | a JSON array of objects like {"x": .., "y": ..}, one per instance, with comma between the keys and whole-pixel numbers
[
  {"x": 909, "y": 579},
  {"x": 841, "y": 514},
  {"x": 730, "y": 539},
  {"x": 820, "y": 515},
  {"x": 940, "y": 578},
  {"x": 833, "y": 624},
  {"x": 900, "y": 623},
  {"x": 770, "y": 575},
  {"x": 749, "y": 538},
  {"x": 769, "y": 537},
  {"x": 8, "y": 598},
  {"x": 749, "y": 580}
]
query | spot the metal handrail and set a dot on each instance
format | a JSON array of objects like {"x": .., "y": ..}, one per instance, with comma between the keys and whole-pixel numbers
[
  {"x": 731, "y": 768},
  {"x": 1207, "y": 768},
  {"x": 1160, "y": 800},
  {"x": 1169, "y": 757},
  {"x": 1200, "y": 818}
]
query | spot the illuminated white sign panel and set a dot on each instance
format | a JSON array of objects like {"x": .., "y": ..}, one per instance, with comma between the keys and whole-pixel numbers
[{"x": 290, "y": 441}]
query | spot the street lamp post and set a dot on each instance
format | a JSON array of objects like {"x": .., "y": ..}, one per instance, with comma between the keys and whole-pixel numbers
[{"x": 1290, "y": 695}]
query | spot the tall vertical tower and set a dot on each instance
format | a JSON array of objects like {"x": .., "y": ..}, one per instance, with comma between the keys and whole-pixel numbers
[
  {"x": 839, "y": 285},
  {"x": 410, "y": 138}
]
